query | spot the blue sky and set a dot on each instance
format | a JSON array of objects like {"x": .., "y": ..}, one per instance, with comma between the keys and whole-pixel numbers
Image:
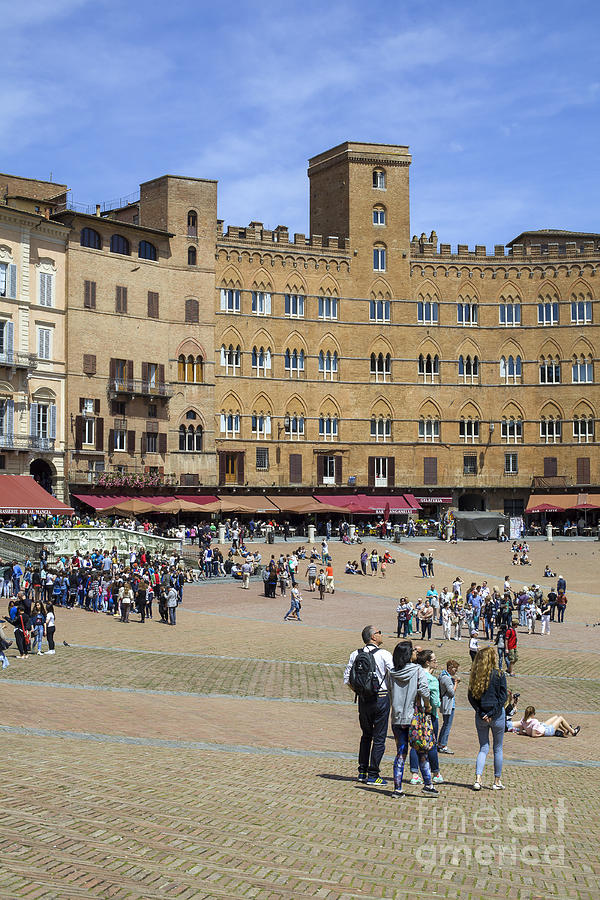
[{"x": 498, "y": 103}]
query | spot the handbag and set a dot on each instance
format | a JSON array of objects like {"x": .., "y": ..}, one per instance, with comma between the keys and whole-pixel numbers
[{"x": 420, "y": 731}]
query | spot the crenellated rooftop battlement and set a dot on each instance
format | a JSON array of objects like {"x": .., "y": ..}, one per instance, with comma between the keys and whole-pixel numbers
[
  {"x": 427, "y": 247},
  {"x": 279, "y": 239}
]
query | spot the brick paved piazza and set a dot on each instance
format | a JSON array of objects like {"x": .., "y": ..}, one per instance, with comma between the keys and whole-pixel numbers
[{"x": 217, "y": 759}]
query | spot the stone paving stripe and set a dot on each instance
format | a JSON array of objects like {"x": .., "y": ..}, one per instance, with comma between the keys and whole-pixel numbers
[
  {"x": 263, "y": 751},
  {"x": 220, "y": 696}
]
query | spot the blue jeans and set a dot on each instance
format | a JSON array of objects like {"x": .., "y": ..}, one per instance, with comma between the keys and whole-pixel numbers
[
  {"x": 294, "y": 608},
  {"x": 502, "y": 657},
  {"x": 483, "y": 733},
  {"x": 401, "y": 736},
  {"x": 39, "y": 636},
  {"x": 432, "y": 755},
  {"x": 489, "y": 629},
  {"x": 445, "y": 729}
]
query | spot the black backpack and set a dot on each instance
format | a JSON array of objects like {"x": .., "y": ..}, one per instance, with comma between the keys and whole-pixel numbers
[{"x": 364, "y": 679}]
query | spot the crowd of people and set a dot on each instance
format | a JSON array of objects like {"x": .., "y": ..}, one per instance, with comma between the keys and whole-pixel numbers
[{"x": 405, "y": 687}]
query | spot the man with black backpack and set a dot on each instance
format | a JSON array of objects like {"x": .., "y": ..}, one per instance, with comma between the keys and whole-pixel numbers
[{"x": 365, "y": 675}]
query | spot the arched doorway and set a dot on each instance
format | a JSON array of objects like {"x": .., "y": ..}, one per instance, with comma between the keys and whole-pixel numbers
[
  {"x": 471, "y": 503},
  {"x": 42, "y": 473}
]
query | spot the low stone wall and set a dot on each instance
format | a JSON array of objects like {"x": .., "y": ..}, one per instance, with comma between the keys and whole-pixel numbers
[{"x": 22, "y": 543}]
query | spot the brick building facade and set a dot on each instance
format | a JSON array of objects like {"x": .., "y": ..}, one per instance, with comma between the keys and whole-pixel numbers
[{"x": 355, "y": 355}]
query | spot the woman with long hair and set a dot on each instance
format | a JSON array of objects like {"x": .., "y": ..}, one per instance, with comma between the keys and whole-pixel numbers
[
  {"x": 488, "y": 695},
  {"x": 554, "y": 725}
]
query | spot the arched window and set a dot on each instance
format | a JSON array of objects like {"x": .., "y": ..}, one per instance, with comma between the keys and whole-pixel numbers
[
  {"x": 429, "y": 368},
  {"x": 581, "y": 310},
  {"x": 381, "y": 429},
  {"x": 261, "y": 362},
  {"x": 119, "y": 244},
  {"x": 181, "y": 368},
  {"x": 190, "y": 438},
  {"x": 583, "y": 429},
  {"x": 381, "y": 366},
  {"x": 294, "y": 427},
  {"x": 230, "y": 424},
  {"x": 469, "y": 431},
  {"x": 510, "y": 312},
  {"x": 378, "y": 215},
  {"x": 468, "y": 368},
  {"x": 328, "y": 365},
  {"x": 231, "y": 359},
  {"x": 192, "y": 256},
  {"x": 429, "y": 430},
  {"x": 294, "y": 363},
  {"x": 582, "y": 370},
  {"x": 550, "y": 430},
  {"x": 379, "y": 179},
  {"x": 261, "y": 426},
  {"x": 192, "y": 223},
  {"x": 511, "y": 430},
  {"x": 146, "y": 250},
  {"x": 328, "y": 428},
  {"x": 427, "y": 312},
  {"x": 549, "y": 370},
  {"x": 90, "y": 238},
  {"x": 379, "y": 310},
  {"x": 192, "y": 311}
]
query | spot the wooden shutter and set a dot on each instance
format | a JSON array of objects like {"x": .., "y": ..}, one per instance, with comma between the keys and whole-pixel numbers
[
  {"x": 111, "y": 440},
  {"x": 221, "y": 468},
  {"x": 79, "y": 431},
  {"x": 240, "y": 468},
  {"x": 583, "y": 470},
  {"x": 320, "y": 469},
  {"x": 371, "y": 471},
  {"x": 550, "y": 466},
  {"x": 430, "y": 470},
  {"x": 144, "y": 374},
  {"x": 121, "y": 299},
  {"x": 162, "y": 443},
  {"x": 295, "y": 468},
  {"x": 152, "y": 305},
  {"x": 161, "y": 375},
  {"x": 89, "y": 364},
  {"x": 81, "y": 403},
  {"x": 89, "y": 294},
  {"x": 99, "y": 434},
  {"x": 112, "y": 369},
  {"x": 129, "y": 372},
  {"x": 144, "y": 444},
  {"x": 96, "y": 407},
  {"x": 338, "y": 469},
  {"x": 391, "y": 475},
  {"x": 131, "y": 442},
  {"x": 11, "y": 282}
]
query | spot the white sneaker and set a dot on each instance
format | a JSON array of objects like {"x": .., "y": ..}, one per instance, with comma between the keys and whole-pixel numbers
[
  {"x": 477, "y": 786},
  {"x": 50, "y": 652},
  {"x": 39, "y": 653},
  {"x": 498, "y": 787}
]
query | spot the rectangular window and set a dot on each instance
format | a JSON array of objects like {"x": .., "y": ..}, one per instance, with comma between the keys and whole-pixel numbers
[
  {"x": 89, "y": 429},
  {"x": 427, "y": 312},
  {"x": 469, "y": 431},
  {"x": 328, "y": 307},
  {"x": 381, "y": 430},
  {"x": 152, "y": 305},
  {"x": 120, "y": 439},
  {"x": 294, "y": 306},
  {"x": 151, "y": 442},
  {"x": 379, "y": 259},
  {"x": 294, "y": 363},
  {"x": 44, "y": 343},
  {"x": 8, "y": 280},
  {"x": 89, "y": 294},
  {"x": 120, "y": 299},
  {"x": 469, "y": 465},
  {"x": 261, "y": 303},
  {"x": 328, "y": 469},
  {"x": 581, "y": 312},
  {"x": 118, "y": 408},
  {"x": 230, "y": 300},
  {"x": 430, "y": 470},
  {"x": 548, "y": 313},
  {"x": 46, "y": 289},
  {"x": 429, "y": 430},
  {"x": 511, "y": 463},
  {"x": 467, "y": 314},
  {"x": 89, "y": 363},
  {"x": 550, "y": 372},
  {"x": 379, "y": 310},
  {"x": 378, "y": 216},
  {"x": 262, "y": 459},
  {"x": 583, "y": 470},
  {"x": 582, "y": 371},
  {"x": 550, "y": 467},
  {"x": 231, "y": 359},
  {"x": 510, "y": 314}
]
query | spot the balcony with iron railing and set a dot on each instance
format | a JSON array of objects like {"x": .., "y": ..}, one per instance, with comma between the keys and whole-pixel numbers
[
  {"x": 16, "y": 359},
  {"x": 134, "y": 387},
  {"x": 26, "y": 442}
]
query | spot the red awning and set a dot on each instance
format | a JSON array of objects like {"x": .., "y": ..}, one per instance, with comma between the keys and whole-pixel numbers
[
  {"x": 22, "y": 495},
  {"x": 201, "y": 499},
  {"x": 100, "y": 502},
  {"x": 361, "y": 503},
  {"x": 410, "y": 498}
]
